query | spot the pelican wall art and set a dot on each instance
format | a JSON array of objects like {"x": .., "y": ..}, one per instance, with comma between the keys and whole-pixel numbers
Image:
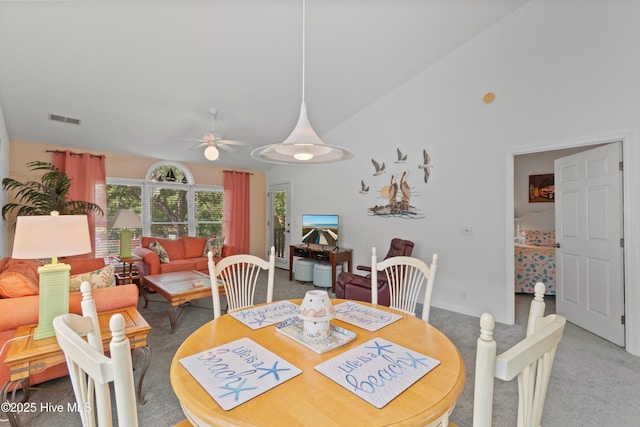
[{"x": 396, "y": 194}]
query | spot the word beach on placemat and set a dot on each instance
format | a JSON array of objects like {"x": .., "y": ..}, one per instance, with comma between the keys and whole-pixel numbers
[
  {"x": 266, "y": 315},
  {"x": 378, "y": 370},
  {"x": 236, "y": 372},
  {"x": 364, "y": 317}
]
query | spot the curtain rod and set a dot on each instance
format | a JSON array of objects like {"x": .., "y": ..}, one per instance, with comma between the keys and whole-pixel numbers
[
  {"x": 227, "y": 170},
  {"x": 75, "y": 154}
]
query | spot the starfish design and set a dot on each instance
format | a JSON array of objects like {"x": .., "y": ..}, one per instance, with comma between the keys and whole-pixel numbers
[
  {"x": 236, "y": 390},
  {"x": 381, "y": 348},
  {"x": 259, "y": 321},
  {"x": 273, "y": 370},
  {"x": 417, "y": 361},
  {"x": 245, "y": 314}
]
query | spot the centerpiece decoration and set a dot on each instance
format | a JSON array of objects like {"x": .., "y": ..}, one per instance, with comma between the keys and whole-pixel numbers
[{"x": 316, "y": 311}]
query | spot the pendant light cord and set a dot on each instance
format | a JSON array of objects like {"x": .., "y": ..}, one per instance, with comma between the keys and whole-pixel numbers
[{"x": 304, "y": 14}]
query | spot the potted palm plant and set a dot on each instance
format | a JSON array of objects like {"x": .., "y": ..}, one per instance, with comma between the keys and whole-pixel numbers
[{"x": 41, "y": 198}]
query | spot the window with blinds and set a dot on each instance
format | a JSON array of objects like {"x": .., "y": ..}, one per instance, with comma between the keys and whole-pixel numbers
[{"x": 169, "y": 204}]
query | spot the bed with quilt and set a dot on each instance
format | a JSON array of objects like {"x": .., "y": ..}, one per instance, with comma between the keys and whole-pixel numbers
[{"x": 535, "y": 261}]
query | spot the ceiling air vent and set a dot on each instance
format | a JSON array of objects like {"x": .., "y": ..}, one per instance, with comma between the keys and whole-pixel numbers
[{"x": 63, "y": 119}]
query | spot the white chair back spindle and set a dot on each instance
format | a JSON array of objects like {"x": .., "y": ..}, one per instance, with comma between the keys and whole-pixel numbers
[
  {"x": 239, "y": 275},
  {"x": 406, "y": 276}
]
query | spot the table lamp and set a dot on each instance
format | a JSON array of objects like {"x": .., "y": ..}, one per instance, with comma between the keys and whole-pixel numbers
[
  {"x": 51, "y": 236},
  {"x": 125, "y": 221}
]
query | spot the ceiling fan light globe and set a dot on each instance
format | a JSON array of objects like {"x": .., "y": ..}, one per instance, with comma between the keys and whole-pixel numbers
[{"x": 211, "y": 153}]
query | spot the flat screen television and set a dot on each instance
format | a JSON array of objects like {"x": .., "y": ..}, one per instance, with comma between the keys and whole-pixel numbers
[{"x": 320, "y": 229}]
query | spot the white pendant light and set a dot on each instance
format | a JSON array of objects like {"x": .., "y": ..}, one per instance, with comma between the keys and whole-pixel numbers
[{"x": 303, "y": 146}]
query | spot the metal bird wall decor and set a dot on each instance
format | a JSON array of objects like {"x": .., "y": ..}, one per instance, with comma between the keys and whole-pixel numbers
[
  {"x": 395, "y": 196},
  {"x": 380, "y": 168},
  {"x": 426, "y": 165},
  {"x": 364, "y": 189}
]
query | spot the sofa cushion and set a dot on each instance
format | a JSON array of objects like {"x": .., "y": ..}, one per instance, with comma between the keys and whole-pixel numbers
[
  {"x": 82, "y": 265},
  {"x": 213, "y": 244},
  {"x": 18, "y": 277},
  {"x": 178, "y": 265},
  {"x": 202, "y": 264},
  {"x": 14, "y": 284},
  {"x": 193, "y": 246},
  {"x": 101, "y": 278},
  {"x": 161, "y": 251}
]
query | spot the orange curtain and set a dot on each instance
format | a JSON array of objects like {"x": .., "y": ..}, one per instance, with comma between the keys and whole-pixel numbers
[
  {"x": 235, "y": 226},
  {"x": 88, "y": 183}
]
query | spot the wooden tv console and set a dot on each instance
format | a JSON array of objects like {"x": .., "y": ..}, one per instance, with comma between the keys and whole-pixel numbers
[{"x": 324, "y": 253}]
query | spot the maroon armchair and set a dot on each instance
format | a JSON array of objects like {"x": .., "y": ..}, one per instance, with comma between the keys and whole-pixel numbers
[{"x": 358, "y": 287}]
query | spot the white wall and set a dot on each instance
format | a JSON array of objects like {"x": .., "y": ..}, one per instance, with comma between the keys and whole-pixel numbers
[
  {"x": 562, "y": 72},
  {"x": 4, "y": 172}
]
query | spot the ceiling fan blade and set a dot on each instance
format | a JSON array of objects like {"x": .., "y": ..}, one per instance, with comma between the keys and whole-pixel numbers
[
  {"x": 225, "y": 147},
  {"x": 231, "y": 142},
  {"x": 202, "y": 144}
]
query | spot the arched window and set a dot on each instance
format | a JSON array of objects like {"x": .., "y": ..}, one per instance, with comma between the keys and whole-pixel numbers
[{"x": 168, "y": 202}]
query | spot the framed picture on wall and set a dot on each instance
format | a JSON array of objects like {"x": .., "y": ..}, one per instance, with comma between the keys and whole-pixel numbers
[{"x": 541, "y": 188}]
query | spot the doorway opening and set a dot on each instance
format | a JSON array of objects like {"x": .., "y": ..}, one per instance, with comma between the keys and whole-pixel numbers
[{"x": 520, "y": 164}]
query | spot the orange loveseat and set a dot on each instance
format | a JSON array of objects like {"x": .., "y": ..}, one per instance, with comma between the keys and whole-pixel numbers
[
  {"x": 23, "y": 310},
  {"x": 185, "y": 253}
]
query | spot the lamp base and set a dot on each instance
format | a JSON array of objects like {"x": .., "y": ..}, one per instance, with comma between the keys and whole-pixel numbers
[
  {"x": 53, "y": 298},
  {"x": 125, "y": 243}
]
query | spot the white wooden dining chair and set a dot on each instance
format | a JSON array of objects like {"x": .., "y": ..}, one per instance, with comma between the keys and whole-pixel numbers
[
  {"x": 406, "y": 276},
  {"x": 239, "y": 276},
  {"x": 530, "y": 360},
  {"x": 91, "y": 371}
]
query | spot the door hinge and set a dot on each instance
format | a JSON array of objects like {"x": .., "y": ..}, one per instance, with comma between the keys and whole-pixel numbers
[
  {"x": 622, "y": 243},
  {"x": 622, "y": 319},
  {"x": 620, "y": 166}
]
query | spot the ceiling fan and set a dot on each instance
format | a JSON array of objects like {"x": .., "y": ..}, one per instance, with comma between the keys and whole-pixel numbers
[{"x": 213, "y": 141}]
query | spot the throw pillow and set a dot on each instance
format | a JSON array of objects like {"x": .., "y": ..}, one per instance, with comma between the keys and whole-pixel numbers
[
  {"x": 539, "y": 237},
  {"x": 14, "y": 285},
  {"x": 101, "y": 278},
  {"x": 214, "y": 244},
  {"x": 157, "y": 248}
]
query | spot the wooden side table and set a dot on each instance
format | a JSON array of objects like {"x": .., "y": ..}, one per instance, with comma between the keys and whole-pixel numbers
[
  {"x": 27, "y": 356},
  {"x": 129, "y": 275}
]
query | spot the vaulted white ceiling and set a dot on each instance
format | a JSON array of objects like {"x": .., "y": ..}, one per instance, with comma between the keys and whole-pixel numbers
[{"x": 142, "y": 75}]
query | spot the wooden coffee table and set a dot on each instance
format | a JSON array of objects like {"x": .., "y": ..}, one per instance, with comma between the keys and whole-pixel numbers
[{"x": 179, "y": 288}]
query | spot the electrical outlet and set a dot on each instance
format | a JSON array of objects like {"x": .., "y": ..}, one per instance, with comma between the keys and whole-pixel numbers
[{"x": 466, "y": 230}]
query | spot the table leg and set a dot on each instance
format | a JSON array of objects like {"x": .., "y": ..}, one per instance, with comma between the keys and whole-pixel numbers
[
  {"x": 11, "y": 388},
  {"x": 143, "y": 291},
  {"x": 174, "y": 314},
  {"x": 146, "y": 354}
]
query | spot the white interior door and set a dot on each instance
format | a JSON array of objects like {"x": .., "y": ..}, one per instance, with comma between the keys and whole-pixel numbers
[
  {"x": 589, "y": 230},
  {"x": 279, "y": 222}
]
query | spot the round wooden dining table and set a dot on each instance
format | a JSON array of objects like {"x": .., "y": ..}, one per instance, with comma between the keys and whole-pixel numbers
[{"x": 311, "y": 398}]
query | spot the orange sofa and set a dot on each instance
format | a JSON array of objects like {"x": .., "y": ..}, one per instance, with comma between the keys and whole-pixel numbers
[
  {"x": 23, "y": 310},
  {"x": 185, "y": 253}
]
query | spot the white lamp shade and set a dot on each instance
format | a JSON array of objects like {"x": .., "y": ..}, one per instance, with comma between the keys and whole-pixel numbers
[
  {"x": 126, "y": 218},
  {"x": 51, "y": 236},
  {"x": 211, "y": 153}
]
